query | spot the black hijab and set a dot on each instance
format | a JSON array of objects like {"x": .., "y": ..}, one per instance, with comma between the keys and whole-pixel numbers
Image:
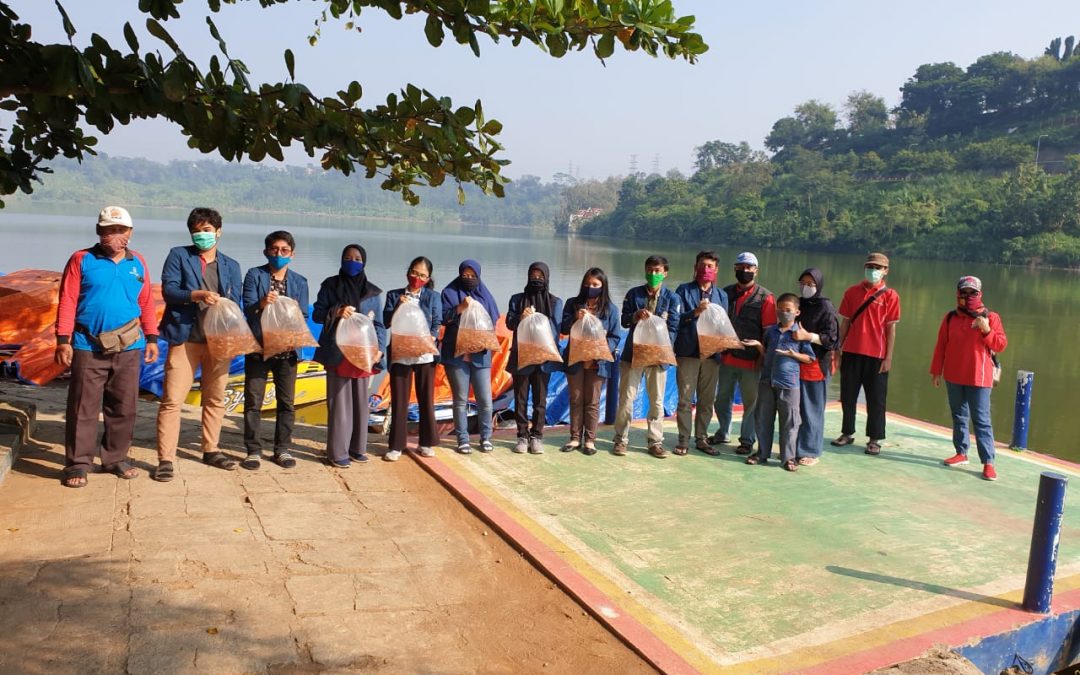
[
  {"x": 540, "y": 299},
  {"x": 354, "y": 290},
  {"x": 817, "y": 314}
]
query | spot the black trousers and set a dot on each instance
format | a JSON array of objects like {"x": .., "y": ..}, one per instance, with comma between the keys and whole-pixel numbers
[
  {"x": 402, "y": 377},
  {"x": 860, "y": 371},
  {"x": 105, "y": 384},
  {"x": 537, "y": 382},
  {"x": 256, "y": 368}
]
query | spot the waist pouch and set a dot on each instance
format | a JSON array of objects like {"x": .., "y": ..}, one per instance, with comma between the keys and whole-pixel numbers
[{"x": 116, "y": 340}]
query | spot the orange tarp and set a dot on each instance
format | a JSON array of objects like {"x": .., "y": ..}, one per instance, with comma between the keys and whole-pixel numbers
[{"x": 500, "y": 378}]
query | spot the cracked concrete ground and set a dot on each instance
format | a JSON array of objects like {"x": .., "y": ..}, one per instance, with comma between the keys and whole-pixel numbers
[{"x": 308, "y": 570}]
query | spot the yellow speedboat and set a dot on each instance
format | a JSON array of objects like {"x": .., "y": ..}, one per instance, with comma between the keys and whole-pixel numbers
[{"x": 310, "y": 388}]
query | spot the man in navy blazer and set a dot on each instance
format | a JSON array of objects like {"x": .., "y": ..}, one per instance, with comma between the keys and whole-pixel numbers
[
  {"x": 194, "y": 278},
  {"x": 263, "y": 286}
]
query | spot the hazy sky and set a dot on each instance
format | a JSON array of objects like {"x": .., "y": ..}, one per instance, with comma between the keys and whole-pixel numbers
[{"x": 764, "y": 59}]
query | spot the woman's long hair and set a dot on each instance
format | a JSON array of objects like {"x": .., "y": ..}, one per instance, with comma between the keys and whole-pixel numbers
[{"x": 602, "y": 302}]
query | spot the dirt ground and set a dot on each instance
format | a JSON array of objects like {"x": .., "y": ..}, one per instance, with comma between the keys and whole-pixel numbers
[
  {"x": 937, "y": 661},
  {"x": 374, "y": 569}
]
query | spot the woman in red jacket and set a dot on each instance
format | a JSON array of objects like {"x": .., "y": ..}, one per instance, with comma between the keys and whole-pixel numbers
[{"x": 968, "y": 338}]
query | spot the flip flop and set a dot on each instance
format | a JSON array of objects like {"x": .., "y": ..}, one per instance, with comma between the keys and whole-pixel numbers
[
  {"x": 78, "y": 475},
  {"x": 842, "y": 440},
  {"x": 873, "y": 448},
  {"x": 679, "y": 451},
  {"x": 122, "y": 469},
  {"x": 791, "y": 465}
]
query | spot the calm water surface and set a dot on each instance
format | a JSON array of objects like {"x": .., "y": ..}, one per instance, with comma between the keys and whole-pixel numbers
[{"x": 1039, "y": 308}]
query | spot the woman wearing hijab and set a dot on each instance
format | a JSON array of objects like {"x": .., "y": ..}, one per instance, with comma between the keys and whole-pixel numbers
[
  {"x": 969, "y": 337},
  {"x": 820, "y": 324},
  {"x": 474, "y": 369},
  {"x": 535, "y": 299},
  {"x": 340, "y": 296},
  {"x": 407, "y": 370}
]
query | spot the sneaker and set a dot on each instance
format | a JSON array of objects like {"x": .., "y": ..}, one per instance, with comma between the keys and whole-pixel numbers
[
  {"x": 989, "y": 472},
  {"x": 464, "y": 449},
  {"x": 618, "y": 449},
  {"x": 589, "y": 449},
  {"x": 425, "y": 451},
  {"x": 284, "y": 460},
  {"x": 362, "y": 457},
  {"x": 573, "y": 445},
  {"x": 536, "y": 446},
  {"x": 658, "y": 451},
  {"x": 957, "y": 460},
  {"x": 486, "y": 446},
  {"x": 521, "y": 447},
  {"x": 719, "y": 438},
  {"x": 392, "y": 456}
]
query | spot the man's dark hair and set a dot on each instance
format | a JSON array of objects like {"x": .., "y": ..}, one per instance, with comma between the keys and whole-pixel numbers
[
  {"x": 201, "y": 214},
  {"x": 280, "y": 235},
  {"x": 707, "y": 255},
  {"x": 788, "y": 297},
  {"x": 654, "y": 260}
]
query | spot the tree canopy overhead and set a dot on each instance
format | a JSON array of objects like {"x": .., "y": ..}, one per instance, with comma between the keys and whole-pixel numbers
[{"x": 414, "y": 137}]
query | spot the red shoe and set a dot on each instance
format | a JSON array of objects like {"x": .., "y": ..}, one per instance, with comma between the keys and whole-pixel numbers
[
  {"x": 989, "y": 473},
  {"x": 956, "y": 460}
]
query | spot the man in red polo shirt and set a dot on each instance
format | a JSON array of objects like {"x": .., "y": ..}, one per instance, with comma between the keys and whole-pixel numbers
[{"x": 869, "y": 313}]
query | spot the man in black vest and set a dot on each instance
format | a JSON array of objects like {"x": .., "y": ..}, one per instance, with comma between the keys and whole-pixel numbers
[{"x": 752, "y": 309}]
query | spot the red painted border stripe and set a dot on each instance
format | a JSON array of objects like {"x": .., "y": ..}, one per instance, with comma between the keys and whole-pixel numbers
[
  {"x": 954, "y": 636},
  {"x": 628, "y": 629}
]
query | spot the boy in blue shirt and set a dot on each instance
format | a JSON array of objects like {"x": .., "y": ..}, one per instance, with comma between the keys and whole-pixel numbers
[{"x": 779, "y": 391}]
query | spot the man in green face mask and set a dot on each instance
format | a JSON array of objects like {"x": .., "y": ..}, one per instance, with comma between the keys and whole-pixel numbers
[
  {"x": 869, "y": 313},
  {"x": 641, "y": 303}
]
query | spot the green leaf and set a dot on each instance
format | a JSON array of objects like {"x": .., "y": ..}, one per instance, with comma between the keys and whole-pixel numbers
[
  {"x": 492, "y": 127},
  {"x": 605, "y": 46},
  {"x": 158, "y": 31},
  {"x": 460, "y": 195},
  {"x": 290, "y": 63},
  {"x": 433, "y": 29},
  {"x": 69, "y": 28},
  {"x": 129, "y": 35}
]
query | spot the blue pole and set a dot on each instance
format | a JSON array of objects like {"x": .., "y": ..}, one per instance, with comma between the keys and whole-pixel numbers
[
  {"x": 1022, "y": 412},
  {"x": 1042, "y": 561},
  {"x": 611, "y": 404}
]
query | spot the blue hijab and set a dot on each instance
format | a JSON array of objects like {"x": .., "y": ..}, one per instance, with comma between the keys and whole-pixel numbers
[{"x": 454, "y": 293}]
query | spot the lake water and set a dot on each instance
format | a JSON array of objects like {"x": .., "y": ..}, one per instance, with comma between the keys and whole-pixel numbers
[{"x": 1039, "y": 308}]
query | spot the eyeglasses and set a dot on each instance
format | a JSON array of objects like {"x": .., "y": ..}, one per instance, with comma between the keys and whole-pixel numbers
[
  {"x": 419, "y": 275},
  {"x": 280, "y": 250}
]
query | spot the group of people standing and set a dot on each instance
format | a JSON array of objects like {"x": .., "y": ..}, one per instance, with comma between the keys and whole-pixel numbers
[{"x": 790, "y": 347}]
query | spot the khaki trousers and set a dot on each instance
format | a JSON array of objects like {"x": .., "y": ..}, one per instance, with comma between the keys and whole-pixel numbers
[
  {"x": 629, "y": 383},
  {"x": 180, "y": 365},
  {"x": 695, "y": 377}
]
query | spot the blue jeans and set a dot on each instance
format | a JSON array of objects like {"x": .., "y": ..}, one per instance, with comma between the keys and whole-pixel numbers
[
  {"x": 725, "y": 396},
  {"x": 460, "y": 377},
  {"x": 965, "y": 400},
  {"x": 812, "y": 398}
]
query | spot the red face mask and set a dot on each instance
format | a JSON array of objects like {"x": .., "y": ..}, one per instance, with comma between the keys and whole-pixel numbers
[
  {"x": 972, "y": 303},
  {"x": 706, "y": 275},
  {"x": 415, "y": 283}
]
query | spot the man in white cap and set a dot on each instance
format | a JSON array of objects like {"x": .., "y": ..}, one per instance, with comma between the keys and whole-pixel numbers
[
  {"x": 752, "y": 309},
  {"x": 105, "y": 327}
]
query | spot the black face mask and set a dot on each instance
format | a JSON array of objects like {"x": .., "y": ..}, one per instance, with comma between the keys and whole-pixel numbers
[
  {"x": 470, "y": 284},
  {"x": 593, "y": 293},
  {"x": 537, "y": 284},
  {"x": 744, "y": 276}
]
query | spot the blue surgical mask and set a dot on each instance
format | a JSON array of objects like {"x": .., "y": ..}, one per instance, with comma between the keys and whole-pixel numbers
[
  {"x": 278, "y": 261},
  {"x": 873, "y": 275},
  {"x": 204, "y": 241},
  {"x": 351, "y": 268}
]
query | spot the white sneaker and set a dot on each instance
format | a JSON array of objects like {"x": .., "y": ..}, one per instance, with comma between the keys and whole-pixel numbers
[
  {"x": 521, "y": 446},
  {"x": 392, "y": 456},
  {"x": 426, "y": 451},
  {"x": 536, "y": 446}
]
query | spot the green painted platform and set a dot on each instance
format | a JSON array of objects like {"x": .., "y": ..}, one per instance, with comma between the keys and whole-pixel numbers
[{"x": 757, "y": 569}]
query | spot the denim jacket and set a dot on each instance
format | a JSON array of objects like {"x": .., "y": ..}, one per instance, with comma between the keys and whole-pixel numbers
[
  {"x": 257, "y": 285},
  {"x": 611, "y": 325},
  {"x": 668, "y": 306},
  {"x": 686, "y": 342},
  {"x": 513, "y": 319},
  {"x": 430, "y": 303},
  {"x": 323, "y": 312},
  {"x": 182, "y": 274}
]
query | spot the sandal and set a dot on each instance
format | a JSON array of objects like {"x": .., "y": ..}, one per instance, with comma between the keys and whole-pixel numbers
[
  {"x": 791, "y": 465},
  {"x": 808, "y": 461},
  {"x": 74, "y": 478},
  {"x": 284, "y": 460},
  {"x": 842, "y": 440},
  {"x": 744, "y": 449},
  {"x": 754, "y": 459},
  {"x": 163, "y": 472},
  {"x": 589, "y": 449},
  {"x": 122, "y": 469},
  {"x": 703, "y": 445},
  {"x": 680, "y": 451},
  {"x": 873, "y": 448},
  {"x": 251, "y": 462},
  {"x": 219, "y": 460},
  {"x": 570, "y": 446}
]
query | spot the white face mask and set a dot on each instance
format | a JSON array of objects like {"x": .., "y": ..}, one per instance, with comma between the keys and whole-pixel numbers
[{"x": 807, "y": 291}]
